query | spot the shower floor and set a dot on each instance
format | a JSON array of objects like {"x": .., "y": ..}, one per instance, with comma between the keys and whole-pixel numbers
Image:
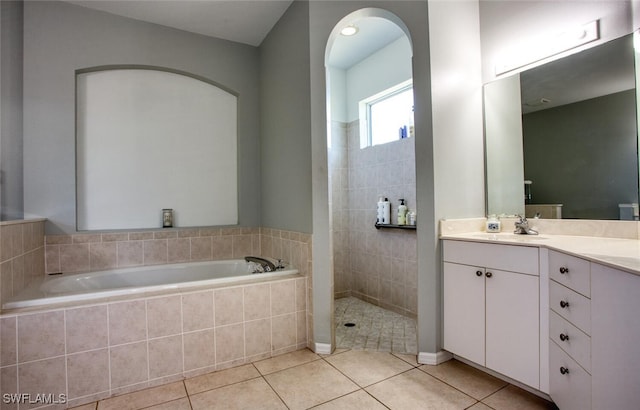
[{"x": 374, "y": 328}]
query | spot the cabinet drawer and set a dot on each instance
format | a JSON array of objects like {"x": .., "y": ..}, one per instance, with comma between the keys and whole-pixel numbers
[
  {"x": 574, "y": 273},
  {"x": 571, "y": 339},
  {"x": 577, "y": 308},
  {"x": 522, "y": 259},
  {"x": 569, "y": 384}
]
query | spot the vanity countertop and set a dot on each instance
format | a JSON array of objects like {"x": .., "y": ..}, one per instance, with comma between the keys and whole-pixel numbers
[{"x": 622, "y": 254}]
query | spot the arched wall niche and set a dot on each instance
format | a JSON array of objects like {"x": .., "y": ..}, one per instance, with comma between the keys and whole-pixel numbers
[{"x": 150, "y": 138}]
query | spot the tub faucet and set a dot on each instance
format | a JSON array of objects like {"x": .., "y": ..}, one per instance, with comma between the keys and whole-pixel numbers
[
  {"x": 522, "y": 227},
  {"x": 267, "y": 266}
]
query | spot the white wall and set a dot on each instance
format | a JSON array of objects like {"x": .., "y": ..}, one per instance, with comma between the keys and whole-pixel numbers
[
  {"x": 384, "y": 69},
  {"x": 456, "y": 90},
  {"x": 507, "y": 24}
]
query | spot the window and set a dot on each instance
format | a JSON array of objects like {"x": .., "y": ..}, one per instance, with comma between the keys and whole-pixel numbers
[{"x": 388, "y": 116}]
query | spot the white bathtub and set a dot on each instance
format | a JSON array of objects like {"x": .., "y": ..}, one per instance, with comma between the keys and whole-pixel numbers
[{"x": 67, "y": 288}]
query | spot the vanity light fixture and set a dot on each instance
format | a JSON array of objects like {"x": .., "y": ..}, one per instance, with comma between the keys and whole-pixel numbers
[
  {"x": 349, "y": 30},
  {"x": 542, "y": 48}
]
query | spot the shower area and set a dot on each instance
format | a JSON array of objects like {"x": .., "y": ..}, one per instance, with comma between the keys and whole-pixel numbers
[{"x": 375, "y": 270}]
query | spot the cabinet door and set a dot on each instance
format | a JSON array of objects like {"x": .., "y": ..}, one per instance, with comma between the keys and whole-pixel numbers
[
  {"x": 615, "y": 338},
  {"x": 464, "y": 303},
  {"x": 513, "y": 325}
]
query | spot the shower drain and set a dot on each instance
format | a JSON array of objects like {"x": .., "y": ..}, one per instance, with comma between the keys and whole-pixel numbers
[{"x": 349, "y": 324}]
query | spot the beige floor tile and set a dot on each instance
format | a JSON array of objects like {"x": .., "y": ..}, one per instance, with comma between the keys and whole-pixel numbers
[
  {"x": 515, "y": 398},
  {"x": 359, "y": 400},
  {"x": 286, "y": 361},
  {"x": 310, "y": 384},
  {"x": 412, "y": 359},
  {"x": 180, "y": 404},
  {"x": 480, "y": 406},
  {"x": 144, "y": 398},
  {"x": 221, "y": 378},
  {"x": 250, "y": 394},
  {"x": 418, "y": 390},
  {"x": 469, "y": 380},
  {"x": 366, "y": 368}
]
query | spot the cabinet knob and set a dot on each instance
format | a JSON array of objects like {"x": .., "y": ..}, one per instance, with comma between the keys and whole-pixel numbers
[
  {"x": 564, "y": 370},
  {"x": 478, "y": 273},
  {"x": 564, "y": 304},
  {"x": 564, "y": 270},
  {"x": 564, "y": 337},
  {"x": 489, "y": 274}
]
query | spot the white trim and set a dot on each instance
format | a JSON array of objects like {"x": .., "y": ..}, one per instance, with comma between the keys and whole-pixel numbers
[
  {"x": 322, "y": 348},
  {"x": 434, "y": 358}
]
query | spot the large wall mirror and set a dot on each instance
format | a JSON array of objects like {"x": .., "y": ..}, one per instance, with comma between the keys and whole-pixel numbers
[
  {"x": 149, "y": 139},
  {"x": 562, "y": 138}
]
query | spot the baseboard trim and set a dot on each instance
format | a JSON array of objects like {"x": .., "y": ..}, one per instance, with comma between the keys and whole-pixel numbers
[
  {"x": 322, "y": 348},
  {"x": 434, "y": 358}
]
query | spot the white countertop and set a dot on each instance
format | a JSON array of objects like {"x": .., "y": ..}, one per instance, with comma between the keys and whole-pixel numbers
[{"x": 623, "y": 254}]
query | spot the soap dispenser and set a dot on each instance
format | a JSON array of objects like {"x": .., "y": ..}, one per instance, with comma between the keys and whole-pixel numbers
[{"x": 402, "y": 213}]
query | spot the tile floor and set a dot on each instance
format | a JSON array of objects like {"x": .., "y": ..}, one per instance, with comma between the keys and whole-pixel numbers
[
  {"x": 375, "y": 328},
  {"x": 347, "y": 379}
]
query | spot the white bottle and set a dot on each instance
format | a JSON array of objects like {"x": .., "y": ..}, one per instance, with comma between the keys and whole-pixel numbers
[
  {"x": 386, "y": 212},
  {"x": 402, "y": 213},
  {"x": 380, "y": 209},
  {"x": 493, "y": 224},
  {"x": 411, "y": 218}
]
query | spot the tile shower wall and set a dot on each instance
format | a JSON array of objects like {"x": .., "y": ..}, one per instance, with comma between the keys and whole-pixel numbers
[
  {"x": 378, "y": 266},
  {"x": 95, "y": 351},
  {"x": 21, "y": 255}
]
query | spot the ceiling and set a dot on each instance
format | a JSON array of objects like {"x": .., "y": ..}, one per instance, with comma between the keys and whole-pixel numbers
[
  {"x": 373, "y": 34},
  {"x": 245, "y": 21},
  {"x": 242, "y": 21}
]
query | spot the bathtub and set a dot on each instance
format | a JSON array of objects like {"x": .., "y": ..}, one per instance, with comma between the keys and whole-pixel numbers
[{"x": 69, "y": 288}]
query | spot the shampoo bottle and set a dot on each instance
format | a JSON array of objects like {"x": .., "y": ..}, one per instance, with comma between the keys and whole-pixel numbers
[
  {"x": 380, "y": 209},
  {"x": 386, "y": 212},
  {"x": 402, "y": 213}
]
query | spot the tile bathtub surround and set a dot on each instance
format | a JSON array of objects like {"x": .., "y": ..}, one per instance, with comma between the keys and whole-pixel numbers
[
  {"x": 96, "y": 351},
  {"x": 378, "y": 266},
  {"x": 98, "y": 251},
  {"x": 346, "y": 379},
  {"x": 21, "y": 255}
]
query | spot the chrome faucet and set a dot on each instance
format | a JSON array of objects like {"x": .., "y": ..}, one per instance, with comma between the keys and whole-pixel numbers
[
  {"x": 522, "y": 227},
  {"x": 267, "y": 265}
]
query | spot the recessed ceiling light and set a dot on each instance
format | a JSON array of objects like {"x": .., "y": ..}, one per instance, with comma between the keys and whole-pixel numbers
[{"x": 350, "y": 30}]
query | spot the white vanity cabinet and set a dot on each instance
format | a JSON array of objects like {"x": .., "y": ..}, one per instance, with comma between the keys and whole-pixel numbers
[
  {"x": 594, "y": 331},
  {"x": 491, "y": 307},
  {"x": 615, "y": 339},
  {"x": 569, "y": 331}
]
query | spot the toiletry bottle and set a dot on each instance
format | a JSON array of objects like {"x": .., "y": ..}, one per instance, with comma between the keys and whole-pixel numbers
[
  {"x": 386, "y": 212},
  {"x": 380, "y": 209},
  {"x": 167, "y": 218},
  {"x": 493, "y": 224},
  {"x": 402, "y": 213},
  {"x": 411, "y": 218}
]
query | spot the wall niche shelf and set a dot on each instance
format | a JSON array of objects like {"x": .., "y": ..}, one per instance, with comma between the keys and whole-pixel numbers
[{"x": 391, "y": 226}]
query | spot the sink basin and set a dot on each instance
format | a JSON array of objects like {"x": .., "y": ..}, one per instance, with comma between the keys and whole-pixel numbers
[{"x": 505, "y": 236}]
